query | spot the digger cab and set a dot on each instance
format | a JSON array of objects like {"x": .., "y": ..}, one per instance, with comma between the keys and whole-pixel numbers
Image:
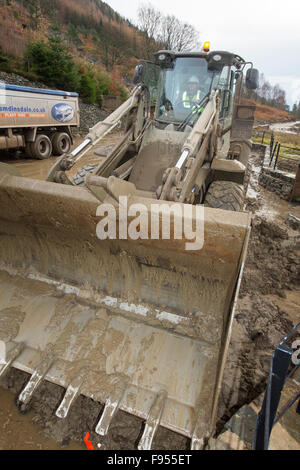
[
  {"x": 182, "y": 82},
  {"x": 181, "y": 87}
]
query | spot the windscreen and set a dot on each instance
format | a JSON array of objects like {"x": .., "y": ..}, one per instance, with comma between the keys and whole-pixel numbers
[{"x": 183, "y": 88}]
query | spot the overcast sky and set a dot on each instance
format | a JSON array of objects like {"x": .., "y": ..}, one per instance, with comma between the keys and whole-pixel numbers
[{"x": 266, "y": 32}]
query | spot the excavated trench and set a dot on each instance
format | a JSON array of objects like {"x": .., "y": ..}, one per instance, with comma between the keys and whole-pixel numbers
[{"x": 268, "y": 308}]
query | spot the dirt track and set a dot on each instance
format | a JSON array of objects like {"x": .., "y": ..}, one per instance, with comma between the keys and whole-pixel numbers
[
  {"x": 268, "y": 308},
  {"x": 38, "y": 169},
  {"x": 289, "y": 127}
]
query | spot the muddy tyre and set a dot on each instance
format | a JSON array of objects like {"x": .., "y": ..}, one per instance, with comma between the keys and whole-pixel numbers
[
  {"x": 225, "y": 195},
  {"x": 61, "y": 143},
  {"x": 78, "y": 179},
  {"x": 42, "y": 148}
]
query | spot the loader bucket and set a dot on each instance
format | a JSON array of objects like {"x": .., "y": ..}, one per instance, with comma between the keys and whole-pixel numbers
[{"x": 142, "y": 326}]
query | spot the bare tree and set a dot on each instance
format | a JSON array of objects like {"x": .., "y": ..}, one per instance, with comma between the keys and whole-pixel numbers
[
  {"x": 149, "y": 20},
  {"x": 278, "y": 97},
  {"x": 178, "y": 36},
  {"x": 267, "y": 94},
  {"x": 167, "y": 34},
  {"x": 266, "y": 90},
  {"x": 167, "y": 31}
]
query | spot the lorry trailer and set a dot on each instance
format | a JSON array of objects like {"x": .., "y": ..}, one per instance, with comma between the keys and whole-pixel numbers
[{"x": 38, "y": 120}]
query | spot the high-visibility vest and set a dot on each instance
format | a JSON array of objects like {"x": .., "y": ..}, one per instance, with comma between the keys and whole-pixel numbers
[{"x": 187, "y": 100}]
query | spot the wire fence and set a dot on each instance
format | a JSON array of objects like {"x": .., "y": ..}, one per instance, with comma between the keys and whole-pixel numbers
[{"x": 282, "y": 156}]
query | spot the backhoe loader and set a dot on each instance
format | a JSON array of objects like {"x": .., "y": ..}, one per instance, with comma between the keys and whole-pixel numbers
[{"x": 136, "y": 319}]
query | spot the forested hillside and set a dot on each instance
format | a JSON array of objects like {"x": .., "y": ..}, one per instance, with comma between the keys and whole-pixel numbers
[
  {"x": 85, "y": 43},
  {"x": 89, "y": 27}
]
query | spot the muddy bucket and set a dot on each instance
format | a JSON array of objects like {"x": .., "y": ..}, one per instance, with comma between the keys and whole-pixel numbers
[{"x": 142, "y": 326}]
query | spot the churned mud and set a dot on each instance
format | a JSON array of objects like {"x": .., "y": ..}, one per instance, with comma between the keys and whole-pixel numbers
[
  {"x": 269, "y": 302},
  {"x": 20, "y": 432},
  {"x": 43, "y": 430},
  {"x": 38, "y": 169},
  {"x": 268, "y": 308}
]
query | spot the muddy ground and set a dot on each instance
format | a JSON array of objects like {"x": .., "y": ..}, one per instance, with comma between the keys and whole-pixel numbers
[
  {"x": 290, "y": 166},
  {"x": 269, "y": 306},
  {"x": 291, "y": 127},
  {"x": 269, "y": 302}
]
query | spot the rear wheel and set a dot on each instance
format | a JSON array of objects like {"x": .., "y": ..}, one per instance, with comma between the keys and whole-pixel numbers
[
  {"x": 41, "y": 148},
  {"x": 225, "y": 195},
  {"x": 61, "y": 142}
]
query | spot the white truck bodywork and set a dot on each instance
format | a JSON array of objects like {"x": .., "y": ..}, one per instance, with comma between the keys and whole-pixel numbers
[{"x": 27, "y": 112}]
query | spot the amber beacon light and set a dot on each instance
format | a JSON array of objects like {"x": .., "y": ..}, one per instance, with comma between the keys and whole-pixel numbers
[{"x": 206, "y": 46}]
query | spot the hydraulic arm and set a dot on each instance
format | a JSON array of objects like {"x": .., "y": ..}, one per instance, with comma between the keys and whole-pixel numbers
[{"x": 101, "y": 129}]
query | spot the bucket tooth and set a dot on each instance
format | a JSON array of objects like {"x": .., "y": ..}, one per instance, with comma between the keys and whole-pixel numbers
[
  {"x": 111, "y": 407},
  {"x": 153, "y": 421},
  {"x": 71, "y": 395},
  {"x": 36, "y": 378},
  {"x": 12, "y": 355},
  {"x": 197, "y": 444},
  {"x": 201, "y": 429}
]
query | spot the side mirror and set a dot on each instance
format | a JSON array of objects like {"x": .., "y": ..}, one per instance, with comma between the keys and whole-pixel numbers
[
  {"x": 138, "y": 74},
  {"x": 252, "y": 79}
]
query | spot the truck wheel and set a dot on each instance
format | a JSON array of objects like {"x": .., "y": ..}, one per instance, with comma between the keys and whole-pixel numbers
[
  {"x": 225, "y": 195},
  {"x": 61, "y": 143},
  {"x": 42, "y": 148}
]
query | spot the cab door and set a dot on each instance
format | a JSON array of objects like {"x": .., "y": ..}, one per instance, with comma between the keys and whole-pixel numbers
[
  {"x": 227, "y": 88},
  {"x": 227, "y": 91},
  {"x": 150, "y": 79}
]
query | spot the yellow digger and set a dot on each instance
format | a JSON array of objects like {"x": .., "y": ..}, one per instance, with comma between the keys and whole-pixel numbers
[{"x": 99, "y": 299}]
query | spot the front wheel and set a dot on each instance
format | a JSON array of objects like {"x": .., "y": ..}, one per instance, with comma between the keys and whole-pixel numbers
[{"x": 225, "y": 195}]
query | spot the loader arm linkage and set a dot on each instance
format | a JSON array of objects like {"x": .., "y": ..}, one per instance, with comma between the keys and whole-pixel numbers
[
  {"x": 179, "y": 181},
  {"x": 101, "y": 129}
]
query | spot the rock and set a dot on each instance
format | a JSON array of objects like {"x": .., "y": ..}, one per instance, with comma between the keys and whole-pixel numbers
[
  {"x": 281, "y": 188},
  {"x": 90, "y": 115},
  {"x": 293, "y": 222}
]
